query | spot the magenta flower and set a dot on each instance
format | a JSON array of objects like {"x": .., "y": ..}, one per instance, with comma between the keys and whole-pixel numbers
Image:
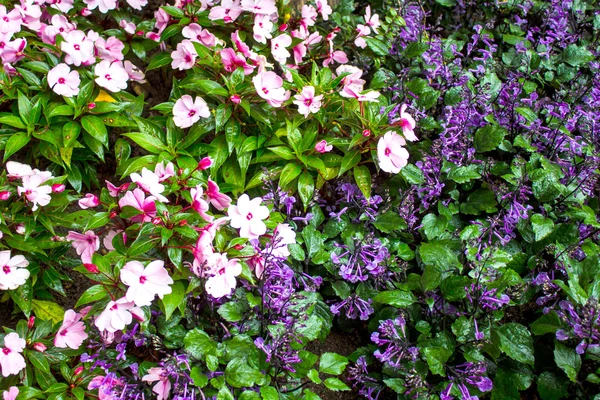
[
  {"x": 13, "y": 51},
  {"x": 187, "y": 112},
  {"x": 72, "y": 331},
  {"x": 10, "y": 22},
  {"x": 64, "y": 81},
  {"x": 163, "y": 387},
  {"x": 85, "y": 244},
  {"x": 390, "y": 153},
  {"x": 115, "y": 190},
  {"x": 163, "y": 171},
  {"x": 11, "y": 361},
  {"x": 89, "y": 201},
  {"x": 219, "y": 200},
  {"x": 196, "y": 33},
  {"x": 185, "y": 55},
  {"x": 138, "y": 200},
  {"x": 13, "y": 271},
  {"x": 111, "y": 76},
  {"x": 232, "y": 61},
  {"x": 199, "y": 204},
  {"x": 407, "y": 123},
  {"x": 248, "y": 215},
  {"x": 145, "y": 283},
  {"x": 269, "y": 86},
  {"x": 307, "y": 102},
  {"x": 117, "y": 315},
  {"x": 322, "y": 147}
]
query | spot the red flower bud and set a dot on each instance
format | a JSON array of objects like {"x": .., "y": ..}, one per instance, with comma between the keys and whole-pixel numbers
[
  {"x": 112, "y": 214},
  {"x": 78, "y": 370},
  {"x": 205, "y": 163},
  {"x": 39, "y": 347},
  {"x": 238, "y": 247},
  {"x": 31, "y": 322},
  {"x": 366, "y": 133},
  {"x": 4, "y": 195},
  {"x": 91, "y": 105},
  {"x": 183, "y": 223},
  {"x": 91, "y": 268},
  {"x": 235, "y": 99},
  {"x": 156, "y": 221},
  {"x": 283, "y": 27},
  {"x": 58, "y": 188}
]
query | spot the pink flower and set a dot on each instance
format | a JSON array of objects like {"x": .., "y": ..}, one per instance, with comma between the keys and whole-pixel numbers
[
  {"x": 13, "y": 271},
  {"x": 60, "y": 26},
  {"x": 240, "y": 45},
  {"x": 185, "y": 56},
  {"x": 127, "y": 26},
  {"x": 134, "y": 73},
  {"x": 248, "y": 215},
  {"x": 150, "y": 182},
  {"x": 187, "y": 112},
  {"x": 117, "y": 315},
  {"x": 199, "y": 204},
  {"x": 89, "y": 201},
  {"x": 262, "y": 28},
  {"x": 217, "y": 199},
  {"x": 105, "y": 386},
  {"x": 338, "y": 56},
  {"x": 278, "y": 48},
  {"x": 322, "y": 147},
  {"x": 72, "y": 331},
  {"x": 309, "y": 15},
  {"x": 268, "y": 85},
  {"x": 10, "y": 22},
  {"x": 307, "y": 102},
  {"x": 363, "y": 31},
  {"x": 58, "y": 188},
  {"x": 205, "y": 163},
  {"x": 11, "y": 393},
  {"x": 61, "y": 5},
  {"x": 20, "y": 229},
  {"x": 137, "y": 199},
  {"x": 324, "y": 9},
  {"x": 35, "y": 191},
  {"x": 390, "y": 153},
  {"x": 4, "y": 195},
  {"x": 196, "y": 33},
  {"x": 407, "y": 123},
  {"x": 103, "y": 5},
  {"x": 110, "y": 49},
  {"x": 372, "y": 21},
  {"x": 13, "y": 51},
  {"x": 352, "y": 92},
  {"x": 163, "y": 387},
  {"x": 17, "y": 170},
  {"x": 264, "y": 7},
  {"x": 137, "y": 4},
  {"x": 111, "y": 76},
  {"x": 79, "y": 48},
  {"x": 232, "y": 61},
  {"x": 115, "y": 190},
  {"x": 228, "y": 11},
  {"x": 145, "y": 283},
  {"x": 162, "y": 20},
  {"x": 108, "y": 239},
  {"x": 223, "y": 271},
  {"x": 11, "y": 361},
  {"x": 353, "y": 77},
  {"x": 282, "y": 236},
  {"x": 85, "y": 244}
]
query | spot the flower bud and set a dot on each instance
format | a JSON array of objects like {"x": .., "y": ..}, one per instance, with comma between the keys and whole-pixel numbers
[
  {"x": 91, "y": 106},
  {"x": 183, "y": 223},
  {"x": 235, "y": 99},
  {"x": 238, "y": 247},
  {"x": 205, "y": 163},
  {"x": 20, "y": 229},
  {"x": 58, "y": 188},
  {"x": 78, "y": 371},
  {"x": 366, "y": 133},
  {"x": 31, "y": 322},
  {"x": 283, "y": 27},
  {"x": 85, "y": 12},
  {"x": 4, "y": 195},
  {"x": 156, "y": 221},
  {"x": 91, "y": 268},
  {"x": 112, "y": 214},
  {"x": 39, "y": 347},
  {"x": 89, "y": 201}
]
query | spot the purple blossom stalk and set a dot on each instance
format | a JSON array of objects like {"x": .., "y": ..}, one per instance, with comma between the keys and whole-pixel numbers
[
  {"x": 583, "y": 322},
  {"x": 393, "y": 336}
]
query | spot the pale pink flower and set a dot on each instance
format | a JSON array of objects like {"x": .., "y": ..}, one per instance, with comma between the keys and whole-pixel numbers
[
  {"x": 13, "y": 51},
  {"x": 309, "y": 15},
  {"x": 78, "y": 47},
  {"x": 232, "y": 61},
  {"x": 11, "y": 361},
  {"x": 89, "y": 201},
  {"x": 352, "y": 92},
  {"x": 150, "y": 182},
  {"x": 185, "y": 55},
  {"x": 264, "y": 7},
  {"x": 63, "y": 81},
  {"x": 228, "y": 11},
  {"x": 11, "y": 393},
  {"x": 103, "y": 5},
  {"x": 145, "y": 283},
  {"x": 35, "y": 191},
  {"x": 17, "y": 170},
  {"x": 372, "y": 21},
  {"x": 262, "y": 28},
  {"x": 363, "y": 31},
  {"x": 202, "y": 251},
  {"x": 85, "y": 244},
  {"x": 199, "y": 204},
  {"x": 282, "y": 236},
  {"x": 407, "y": 123},
  {"x": 127, "y": 26},
  {"x": 111, "y": 76},
  {"x": 110, "y": 49},
  {"x": 13, "y": 271},
  {"x": 353, "y": 79},
  {"x": 163, "y": 387},
  {"x": 117, "y": 315},
  {"x": 219, "y": 200},
  {"x": 105, "y": 384},
  {"x": 222, "y": 275},
  {"x": 138, "y": 200},
  {"x": 137, "y": 4},
  {"x": 269, "y": 86},
  {"x": 248, "y": 215},
  {"x": 240, "y": 45},
  {"x": 108, "y": 239},
  {"x": 338, "y": 56},
  {"x": 324, "y": 9},
  {"x": 390, "y": 153},
  {"x": 279, "y": 48},
  {"x": 10, "y": 22},
  {"x": 114, "y": 191},
  {"x": 322, "y": 147},
  {"x": 307, "y": 102},
  {"x": 134, "y": 73},
  {"x": 72, "y": 331},
  {"x": 301, "y": 48},
  {"x": 196, "y": 33},
  {"x": 162, "y": 19},
  {"x": 187, "y": 111},
  {"x": 214, "y": 226},
  {"x": 164, "y": 172},
  {"x": 62, "y": 5},
  {"x": 60, "y": 26}
]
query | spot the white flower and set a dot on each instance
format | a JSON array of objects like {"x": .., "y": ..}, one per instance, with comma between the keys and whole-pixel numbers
[
  {"x": 248, "y": 215},
  {"x": 13, "y": 271},
  {"x": 145, "y": 283},
  {"x": 150, "y": 182},
  {"x": 64, "y": 81},
  {"x": 111, "y": 75}
]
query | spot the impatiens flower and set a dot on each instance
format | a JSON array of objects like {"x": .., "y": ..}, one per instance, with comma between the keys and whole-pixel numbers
[
  {"x": 391, "y": 155},
  {"x": 262, "y": 29},
  {"x": 137, "y": 4},
  {"x": 10, "y": 22},
  {"x": 111, "y": 75},
  {"x": 13, "y": 51},
  {"x": 85, "y": 244},
  {"x": 35, "y": 191},
  {"x": 279, "y": 48},
  {"x": 150, "y": 182},
  {"x": 205, "y": 163},
  {"x": 265, "y": 7},
  {"x": 239, "y": 44},
  {"x": 232, "y": 61},
  {"x": 322, "y": 147},
  {"x": 72, "y": 331},
  {"x": 187, "y": 111},
  {"x": 309, "y": 15},
  {"x": 324, "y": 9},
  {"x": 60, "y": 26},
  {"x": 11, "y": 361},
  {"x": 223, "y": 271},
  {"x": 371, "y": 21},
  {"x": 219, "y": 200},
  {"x": 362, "y": 31},
  {"x": 307, "y": 102},
  {"x": 282, "y": 236},
  {"x": 199, "y": 204},
  {"x": 196, "y": 33},
  {"x": 163, "y": 387},
  {"x": 110, "y": 49},
  {"x": 248, "y": 215},
  {"x": 11, "y": 393},
  {"x": 78, "y": 47},
  {"x": 115, "y": 190},
  {"x": 407, "y": 123},
  {"x": 145, "y": 283},
  {"x": 185, "y": 56},
  {"x": 351, "y": 92},
  {"x": 228, "y": 11},
  {"x": 103, "y": 5},
  {"x": 134, "y": 73},
  {"x": 127, "y": 26},
  {"x": 164, "y": 172},
  {"x": 138, "y": 200},
  {"x": 117, "y": 315},
  {"x": 89, "y": 201},
  {"x": 20, "y": 229},
  {"x": 269, "y": 86},
  {"x": 13, "y": 271}
]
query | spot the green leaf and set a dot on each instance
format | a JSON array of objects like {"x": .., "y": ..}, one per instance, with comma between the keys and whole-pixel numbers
[
  {"x": 335, "y": 384},
  {"x": 232, "y": 311},
  {"x": 47, "y": 310},
  {"x": 389, "y": 222},
  {"x": 173, "y": 300},
  {"x": 269, "y": 393},
  {"x": 25, "y": 107},
  {"x": 147, "y": 142},
  {"x": 552, "y": 387},
  {"x": 70, "y": 133},
  {"x": 159, "y": 60},
  {"x": 96, "y": 128},
  {"x": 577, "y": 55},
  {"x": 567, "y": 359},
  {"x": 413, "y": 174},
  {"x": 313, "y": 240},
  {"x": 547, "y": 323},
  {"x": 38, "y": 360},
  {"x": 239, "y": 374},
  {"x": 516, "y": 342},
  {"x": 396, "y": 298},
  {"x": 362, "y": 177},
  {"x": 350, "y": 160},
  {"x": 206, "y": 86},
  {"x": 15, "y": 143},
  {"x": 289, "y": 173},
  {"x": 306, "y": 188},
  {"x": 542, "y": 227},
  {"x": 198, "y": 344},
  {"x": 94, "y": 293},
  {"x": 332, "y": 363},
  {"x": 488, "y": 138},
  {"x": 12, "y": 120},
  {"x": 439, "y": 255},
  {"x": 377, "y": 46},
  {"x": 464, "y": 174},
  {"x": 434, "y": 225}
]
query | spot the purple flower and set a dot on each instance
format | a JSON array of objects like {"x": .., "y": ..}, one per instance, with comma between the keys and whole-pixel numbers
[
  {"x": 393, "y": 337},
  {"x": 353, "y": 307}
]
